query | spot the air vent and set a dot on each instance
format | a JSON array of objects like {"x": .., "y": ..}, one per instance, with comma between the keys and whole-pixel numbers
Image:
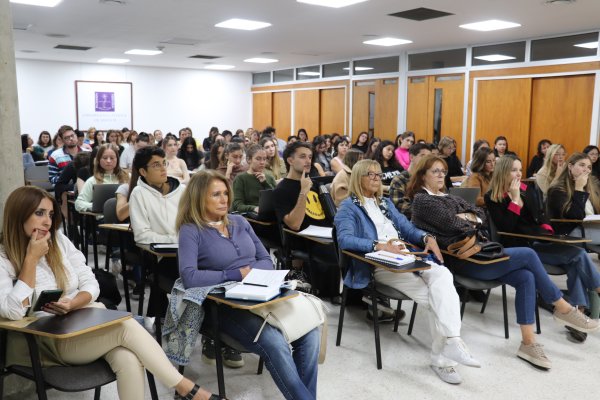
[
  {"x": 68, "y": 47},
  {"x": 204, "y": 57},
  {"x": 420, "y": 14},
  {"x": 57, "y": 35},
  {"x": 29, "y": 51},
  {"x": 21, "y": 27},
  {"x": 119, "y": 2},
  {"x": 182, "y": 41}
]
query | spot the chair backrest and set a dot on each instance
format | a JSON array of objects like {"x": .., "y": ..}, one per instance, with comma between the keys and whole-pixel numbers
[
  {"x": 327, "y": 203},
  {"x": 468, "y": 194},
  {"x": 101, "y": 193},
  {"x": 494, "y": 237},
  {"x": 37, "y": 175},
  {"x": 110, "y": 211},
  {"x": 266, "y": 205}
]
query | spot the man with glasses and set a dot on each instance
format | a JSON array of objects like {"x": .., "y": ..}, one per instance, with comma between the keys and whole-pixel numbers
[{"x": 62, "y": 157}]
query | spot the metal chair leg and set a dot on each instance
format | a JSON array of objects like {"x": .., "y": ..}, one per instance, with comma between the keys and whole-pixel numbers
[
  {"x": 341, "y": 320},
  {"x": 487, "y": 297},
  {"x": 537, "y": 319},
  {"x": 261, "y": 364},
  {"x": 97, "y": 393},
  {"x": 505, "y": 310},
  {"x": 412, "y": 318},
  {"x": 397, "y": 316},
  {"x": 376, "y": 329}
]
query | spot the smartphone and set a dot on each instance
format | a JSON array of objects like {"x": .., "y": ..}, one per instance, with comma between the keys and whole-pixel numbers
[{"x": 47, "y": 296}]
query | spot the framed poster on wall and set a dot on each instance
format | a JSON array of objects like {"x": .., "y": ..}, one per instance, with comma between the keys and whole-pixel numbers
[{"x": 103, "y": 105}]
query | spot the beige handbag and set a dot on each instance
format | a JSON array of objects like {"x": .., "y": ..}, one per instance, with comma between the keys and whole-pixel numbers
[{"x": 296, "y": 317}]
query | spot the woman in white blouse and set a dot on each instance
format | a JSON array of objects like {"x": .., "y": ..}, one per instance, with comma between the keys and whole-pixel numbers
[{"x": 36, "y": 256}]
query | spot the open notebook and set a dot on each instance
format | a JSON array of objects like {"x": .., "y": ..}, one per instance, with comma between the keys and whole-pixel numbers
[
  {"x": 258, "y": 285},
  {"x": 389, "y": 258}
]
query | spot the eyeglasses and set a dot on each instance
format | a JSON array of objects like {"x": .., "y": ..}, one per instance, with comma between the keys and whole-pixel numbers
[
  {"x": 158, "y": 165},
  {"x": 441, "y": 172},
  {"x": 374, "y": 175}
]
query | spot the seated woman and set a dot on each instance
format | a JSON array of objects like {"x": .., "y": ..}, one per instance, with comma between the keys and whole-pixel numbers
[
  {"x": 593, "y": 153},
  {"x": 447, "y": 148},
  {"x": 403, "y": 143},
  {"x": 246, "y": 186},
  {"x": 476, "y": 146},
  {"x": 341, "y": 181},
  {"x": 538, "y": 159},
  {"x": 451, "y": 219},
  {"x": 275, "y": 165},
  {"x": 231, "y": 161},
  {"x": 384, "y": 155},
  {"x": 482, "y": 169},
  {"x": 113, "y": 136},
  {"x": 177, "y": 168},
  {"x": 216, "y": 152},
  {"x": 106, "y": 170},
  {"x": 362, "y": 142},
  {"x": 373, "y": 145},
  {"x": 514, "y": 208},
  {"x": 574, "y": 195},
  {"x": 554, "y": 164},
  {"x": 44, "y": 145},
  {"x": 190, "y": 154},
  {"x": 341, "y": 147},
  {"x": 321, "y": 157},
  {"x": 366, "y": 222},
  {"x": 216, "y": 248},
  {"x": 36, "y": 256},
  {"x": 501, "y": 147}
]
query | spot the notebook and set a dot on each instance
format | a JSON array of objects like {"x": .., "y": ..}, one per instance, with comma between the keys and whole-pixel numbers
[
  {"x": 389, "y": 258},
  {"x": 258, "y": 285},
  {"x": 164, "y": 247}
]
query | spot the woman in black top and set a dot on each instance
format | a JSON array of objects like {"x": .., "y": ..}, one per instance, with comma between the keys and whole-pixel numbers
[
  {"x": 447, "y": 147},
  {"x": 390, "y": 167},
  {"x": 362, "y": 142},
  {"x": 593, "y": 152},
  {"x": 538, "y": 160},
  {"x": 190, "y": 154},
  {"x": 208, "y": 141},
  {"x": 501, "y": 147}
]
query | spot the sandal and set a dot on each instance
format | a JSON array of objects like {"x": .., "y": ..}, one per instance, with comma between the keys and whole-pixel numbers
[{"x": 192, "y": 393}]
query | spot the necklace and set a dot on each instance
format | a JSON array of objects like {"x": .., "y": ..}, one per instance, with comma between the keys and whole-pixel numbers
[{"x": 216, "y": 223}]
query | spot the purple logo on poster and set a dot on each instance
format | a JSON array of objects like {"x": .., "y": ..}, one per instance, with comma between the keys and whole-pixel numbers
[{"x": 105, "y": 101}]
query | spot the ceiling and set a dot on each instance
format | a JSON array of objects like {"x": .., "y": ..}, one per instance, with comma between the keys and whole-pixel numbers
[{"x": 300, "y": 35}]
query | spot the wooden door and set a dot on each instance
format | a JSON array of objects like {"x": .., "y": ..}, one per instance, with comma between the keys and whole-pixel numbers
[
  {"x": 503, "y": 109},
  {"x": 452, "y": 90},
  {"x": 417, "y": 108},
  {"x": 261, "y": 110},
  {"x": 282, "y": 114},
  {"x": 306, "y": 111},
  {"x": 561, "y": 111},
  {"x": 333, "y": 111},
  {"x": 386, "y": 109},
  {"x": 360, "y": 106}
]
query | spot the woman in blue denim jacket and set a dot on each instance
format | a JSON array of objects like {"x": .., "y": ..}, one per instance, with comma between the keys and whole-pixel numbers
[{"x": 366, "y": 222}]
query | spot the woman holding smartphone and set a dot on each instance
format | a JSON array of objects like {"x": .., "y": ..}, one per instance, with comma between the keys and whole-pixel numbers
[{"x": 35, "y": 256}]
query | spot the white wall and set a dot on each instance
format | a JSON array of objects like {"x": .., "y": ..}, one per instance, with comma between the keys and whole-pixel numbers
[{"x": 163, "y": 98}]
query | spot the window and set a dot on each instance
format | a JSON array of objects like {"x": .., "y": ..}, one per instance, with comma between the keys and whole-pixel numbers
[
  {"x": 336, "y": 69},
  {"x": 261, "y": 77},
  {"x": 283, "y": 75},
  {"x": 437, "y": 59},
  {"x": 498, "y": 54},
  {"x": 377, "y": 65},
  {"x": 313, "y": 72},
  {"x": 565, "y": 47}
]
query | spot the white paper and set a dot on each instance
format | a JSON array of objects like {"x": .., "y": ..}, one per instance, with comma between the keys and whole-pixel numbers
[
  {"x": 166, "y": 245},
  {"x": 595, "y": 217},
  {"x": 389, "y": 257},
  {"x": 266, "y": 277},
  {"x": 318, "y": 231}
]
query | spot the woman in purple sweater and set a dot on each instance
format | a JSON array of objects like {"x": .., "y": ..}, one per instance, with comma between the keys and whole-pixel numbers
[{"x": 215, "y": 247}]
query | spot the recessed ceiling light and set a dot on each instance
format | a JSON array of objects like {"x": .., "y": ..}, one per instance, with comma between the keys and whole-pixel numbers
[
  {"x": 243, "y": 24},
  {"x": 219, "y": 66},
  {"x": 41, "y": 3},
  {"x": 141, "y": 52},
  {"x": 360, "y": 68},
  {"x": 113, "y": 60},
  {"x": 495, "y": 57},
  {"x": 490, "y": 25},
  {"x": 259, "y": 60},
  {"x": 589, "y": 45},
  {"x": 332, "y": 3},
  {"x": 387, "y": 41},
  {"x": 309, "y": 73}
]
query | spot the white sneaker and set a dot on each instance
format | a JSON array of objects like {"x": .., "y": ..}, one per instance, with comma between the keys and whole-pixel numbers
[
  {"x": 116, "y": 267},
  {"x": 149, "y": 324},
  {"x": 447, "y": 374},
  {"x": 457, "y": 350}
]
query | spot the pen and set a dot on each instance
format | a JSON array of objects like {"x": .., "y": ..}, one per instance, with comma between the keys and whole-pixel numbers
[{"x": 255, "y": 284}]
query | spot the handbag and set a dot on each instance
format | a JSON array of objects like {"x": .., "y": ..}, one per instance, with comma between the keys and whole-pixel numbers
[
  {"x": 471, "y": 247},
  {"x": 296, "y": 317}
]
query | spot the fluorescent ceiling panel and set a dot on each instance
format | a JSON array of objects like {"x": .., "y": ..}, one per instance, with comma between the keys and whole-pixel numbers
[
  {"x": 387, "y": 41},
  {"x": 243, "y": 24},
  {"x": 219, "y": 66},
  {"x": 332, "y": 3},
  {"x": 113, "y": 60},
  {"x": 490, "y": 25},
  {"x": 259, "y": 60},
  {"x": 589, "y": 45},
  {"x": 309, "y": 73},
  {"x": 41, "y": 3},
  {"x": 495, "y": 57},
  {"x": 141, "y": 52}
]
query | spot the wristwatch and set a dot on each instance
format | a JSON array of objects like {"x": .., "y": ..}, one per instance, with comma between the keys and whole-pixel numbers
[
  {"x": 375, "y": 243},
  {"x": 425, "y": 236}
]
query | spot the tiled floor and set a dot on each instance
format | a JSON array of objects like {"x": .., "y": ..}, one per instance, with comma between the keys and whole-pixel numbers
[{"x": 350, "y": 372}]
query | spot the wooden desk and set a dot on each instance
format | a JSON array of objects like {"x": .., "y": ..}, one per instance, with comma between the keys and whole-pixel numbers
[
  {"x": 216, "y": 299},
  {"x": 73, "y": 324},
  {"x": 91, "y": 219},
  {"x": 418, "y": 265},
  {"x": 548, "y": 238},
  {"x": 476, "y": 260},
  {"x": 258, "y": 222},
  {"x": 315, "y": 239},
  {"x": 122, "y": 230},
  {"x": 576, "y": 221}
]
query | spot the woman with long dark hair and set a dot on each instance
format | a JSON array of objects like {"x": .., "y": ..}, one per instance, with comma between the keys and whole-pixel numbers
[
  {"x": 362, "y": 142},
  {"x": 390, "y": 167},
  {"x": 538, "y": 159},
  {"x": 190, "y": 154}
]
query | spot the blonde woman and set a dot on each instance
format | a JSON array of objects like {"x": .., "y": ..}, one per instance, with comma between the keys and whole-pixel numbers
[
  {"x": 554, "y": 164},
  {"x": 176, "y": 167},
  {"x": 275, "y": 165},
  {"x": 36, "y": 256},
  {"x": 106, "y": 170}
]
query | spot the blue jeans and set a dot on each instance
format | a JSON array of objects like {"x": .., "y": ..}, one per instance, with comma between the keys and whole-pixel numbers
[
  {"x": 523, "y": 271},
  {"x": 582, "y": 275},
  {"x": 294, "y": 371}
]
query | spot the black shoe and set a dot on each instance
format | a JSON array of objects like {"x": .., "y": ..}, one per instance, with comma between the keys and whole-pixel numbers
[
  {"x": 575, "y": 335},
  {"x": 384, "y": 317},
  {"x": 232, "y": 358},
  {"x": 208, "y": 351},
  {"x": 136, "y": 292}
]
